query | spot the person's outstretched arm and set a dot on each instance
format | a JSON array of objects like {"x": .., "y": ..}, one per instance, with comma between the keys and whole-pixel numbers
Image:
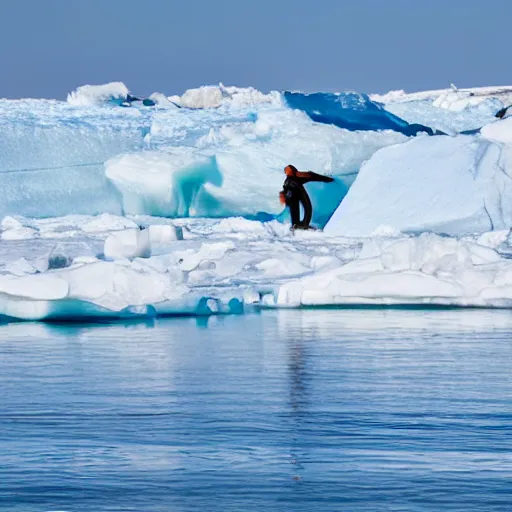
[{"x": 307, "y": 176}]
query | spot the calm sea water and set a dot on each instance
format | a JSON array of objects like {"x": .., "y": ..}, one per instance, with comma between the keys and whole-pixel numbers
[{"x": 293, "y": 410}]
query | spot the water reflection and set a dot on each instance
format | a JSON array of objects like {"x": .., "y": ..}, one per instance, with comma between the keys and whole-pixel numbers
[{"x": 287, "y": 410}]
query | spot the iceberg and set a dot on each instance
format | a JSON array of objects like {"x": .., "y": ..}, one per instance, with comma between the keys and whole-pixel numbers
[
  {"x": 137, "y": 212},
  {"x": 75, "y": 155},
  {"x": 80, "y": 156},
  {"x": 451, "y": 185}
]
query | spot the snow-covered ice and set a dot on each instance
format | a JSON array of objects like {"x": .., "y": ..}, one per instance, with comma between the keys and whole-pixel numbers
[
  {"x": 452, "y": 185},
  {"x": 115, "y": 208},
  {"x": 449, "y": 110},
  {"x": 207, "y": 266}
]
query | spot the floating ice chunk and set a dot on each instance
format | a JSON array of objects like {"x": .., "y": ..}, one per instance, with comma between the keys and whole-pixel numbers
[
  {"x": 20, "y": 267},
  {"x": 13, "y": 229},
  {"x": 59, "y": 260},
  {"x": 428, "y": 269},
  {"x": 164, "y": 233},
  {"x": 19, "y": 234},
  {"x": 190, "y": 260},
  {"x": 213, "y": 272},
  {"x": 11, "y": 223},
  {"x": 241, "y": 228},
  {"x": 130, "y": 243},
  {"x": 351, "y": 111},
  {"x": 390, "y": 97},
  {"x": 116, "y": 287},
  {"x": 244, "y": 96},
  {"x": 63, "y": 255},
  {"x": 274, "y": 267},
  {"x": 87, "y": 95},
  {"x": 36, "y": 287}
]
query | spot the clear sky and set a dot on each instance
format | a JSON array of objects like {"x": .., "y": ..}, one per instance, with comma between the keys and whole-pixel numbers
[{"x": 49, "y": 47}]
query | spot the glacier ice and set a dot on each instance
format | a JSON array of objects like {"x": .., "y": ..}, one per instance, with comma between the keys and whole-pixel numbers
[
  {"x": 352, "y": 111},
  {"x": 451, "y": 185},
  {"x": 173, "y": 209},
  {"x": 68, "y": 146},
  {"x": 251, "y": 135},
  {"x": 52, "y": 156},
  {"x": 170, "y": 184},
  {"x": 237, "y": 168},
  {"x": 138, "y": 242}
]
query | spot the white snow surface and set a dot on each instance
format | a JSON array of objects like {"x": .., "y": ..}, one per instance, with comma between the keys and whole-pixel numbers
[{"x": 235, "y": 266}]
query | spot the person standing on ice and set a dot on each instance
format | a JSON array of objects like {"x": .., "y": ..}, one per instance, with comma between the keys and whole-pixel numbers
[{"x": 294, "y": 194}]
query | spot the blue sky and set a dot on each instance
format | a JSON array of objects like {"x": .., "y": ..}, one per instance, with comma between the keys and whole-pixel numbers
[{"x": 49, "y": 47}]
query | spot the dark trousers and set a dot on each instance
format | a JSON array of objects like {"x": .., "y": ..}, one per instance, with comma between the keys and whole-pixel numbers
[{"x": 294, "y": 203}]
